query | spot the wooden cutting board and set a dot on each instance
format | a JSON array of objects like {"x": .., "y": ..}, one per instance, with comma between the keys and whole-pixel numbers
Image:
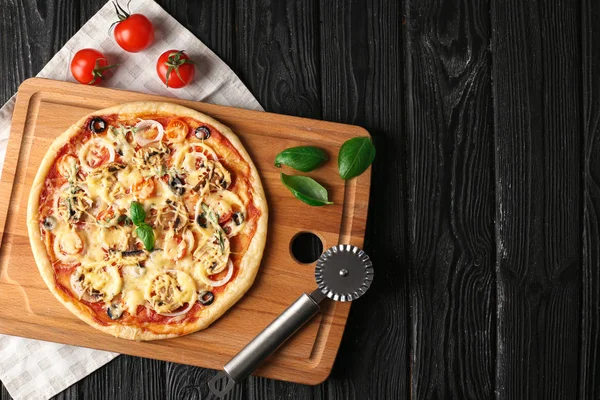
[{"x": 45, "y": 108}]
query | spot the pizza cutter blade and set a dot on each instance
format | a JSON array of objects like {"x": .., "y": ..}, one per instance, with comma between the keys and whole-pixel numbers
[{"x": 343, "y": 273}]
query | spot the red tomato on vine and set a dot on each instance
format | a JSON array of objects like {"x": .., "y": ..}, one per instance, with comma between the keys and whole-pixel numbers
[
  {"x": 133, "y": 32},
  {"x": 88, "y": 66},
  {"x": 175, "y": 68}
]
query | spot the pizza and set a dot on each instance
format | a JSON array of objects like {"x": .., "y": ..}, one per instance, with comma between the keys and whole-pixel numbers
[{"x": 147, "y": 220}]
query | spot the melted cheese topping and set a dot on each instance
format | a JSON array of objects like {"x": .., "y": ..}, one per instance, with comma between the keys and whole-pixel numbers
[
  {"x": 182, "y": 187},
  {"x": 98, "y": 279},
  {"x": 68, "y": 244},
  {"x": 170, "y": 290}
]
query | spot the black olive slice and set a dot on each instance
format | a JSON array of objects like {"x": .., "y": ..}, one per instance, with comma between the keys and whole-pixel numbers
[
  {"x": 206, "y": 298},
  {"x": 114, "y": 311},
  {"x": 238, "y": 218},
  {"x": 202, "y": 132},
  {"x": 49, "y": 223},
  {"x": 98, "y": 125},
  {"x": 114, "y": 167},
  {"x": 176, "y": 185},
  {"x": 201, "y": 220}
]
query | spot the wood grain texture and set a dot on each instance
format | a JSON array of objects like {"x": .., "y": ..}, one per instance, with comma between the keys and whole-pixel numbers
[
  {"x": 210, "y": 21},
  {"x": 13, "y": 62},
  {"x": 277, "y": 54},
  {"x": 4, "y": 393},
  {"x": 362, "y": 82},
  {"x": 538, "y": 96},
  {"x": 451, "y": 214},
  {"x": 189, "y": 383},
  {"x": 589, "y": 371}
]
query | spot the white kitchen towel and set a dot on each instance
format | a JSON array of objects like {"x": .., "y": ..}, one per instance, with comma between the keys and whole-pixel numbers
[{"x": 32, "y": 369}]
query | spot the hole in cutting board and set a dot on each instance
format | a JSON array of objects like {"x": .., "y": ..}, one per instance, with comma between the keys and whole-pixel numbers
[{"x": 306, "y": 247}]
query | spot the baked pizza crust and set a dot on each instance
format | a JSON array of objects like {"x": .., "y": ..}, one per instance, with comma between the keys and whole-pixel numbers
[{"x": 247, "y": 269}]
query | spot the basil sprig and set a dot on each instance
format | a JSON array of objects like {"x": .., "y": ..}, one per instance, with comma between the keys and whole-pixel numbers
[
  {"x": 355, "y": 156},
  {"x": 143, "y": 230},
  {"x": 302, "y": 158},
  {"x": 306, "y": 189}
]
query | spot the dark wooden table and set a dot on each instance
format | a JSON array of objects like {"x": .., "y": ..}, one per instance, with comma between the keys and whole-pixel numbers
[{"x": 484, "y": 220}]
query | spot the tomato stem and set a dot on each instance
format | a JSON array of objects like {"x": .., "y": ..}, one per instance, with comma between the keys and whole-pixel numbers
[
  {"x": 121, "y": 13},
  {"x": 98, "y": 70}
]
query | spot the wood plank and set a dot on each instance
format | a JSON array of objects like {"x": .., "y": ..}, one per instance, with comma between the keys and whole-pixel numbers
[
  {"x": 4, "y": 393},
  {"x": 211, "y": 21},
  {"x": 277, "y": 54},
  {"x": 537, "y": 93},
  {"x": 589, "y": 372},
  {"x": 261, "y": 388},
  {"x": 362, "y": 83},
  {"x": 451, "y": 214},
  {"x": 14, "y": 60}
]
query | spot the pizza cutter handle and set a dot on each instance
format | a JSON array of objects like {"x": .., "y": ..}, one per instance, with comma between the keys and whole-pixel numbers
[{"x": 273, "y": 336}]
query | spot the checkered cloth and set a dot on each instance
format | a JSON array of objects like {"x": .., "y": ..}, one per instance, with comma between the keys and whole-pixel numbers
[{"x": 32, "y": 369}]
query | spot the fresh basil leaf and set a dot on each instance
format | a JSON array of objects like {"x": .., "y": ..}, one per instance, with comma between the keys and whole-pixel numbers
[
  {"x": 306, "y": 189},
  {"x": 146, "y": 235},
  {"x": 355, "y": 156},
  {"x": 303, "y": 158},
  {"x": 137, "y": 213}
]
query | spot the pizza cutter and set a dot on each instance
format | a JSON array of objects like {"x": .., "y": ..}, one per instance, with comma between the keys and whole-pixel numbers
[{"x": 343, "y": 273}]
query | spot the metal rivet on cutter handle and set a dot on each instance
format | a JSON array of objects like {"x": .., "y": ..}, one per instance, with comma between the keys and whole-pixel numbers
[{"x": 343, "y": 273}]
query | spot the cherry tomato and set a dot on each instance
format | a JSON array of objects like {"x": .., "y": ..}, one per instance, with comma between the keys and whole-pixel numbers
[
  {"x": 175, "y": 69},
  {"x": 88, "y": 66},
  {"x": 133, "y": 32},
  {"x": 105, "y": 215},
  {"x": 176, "y": 131},
  {"x": 224, "y": 218},
  {"x": 144, "y": 188}
]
